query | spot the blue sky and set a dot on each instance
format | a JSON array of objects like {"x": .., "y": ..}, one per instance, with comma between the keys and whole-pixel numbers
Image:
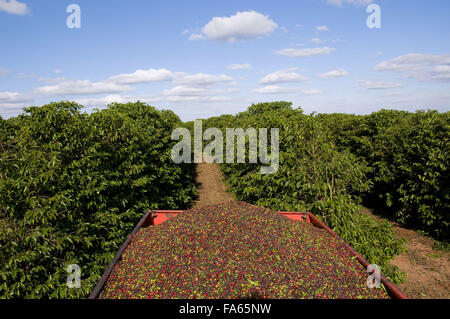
[{"x": 205, "y": 57}]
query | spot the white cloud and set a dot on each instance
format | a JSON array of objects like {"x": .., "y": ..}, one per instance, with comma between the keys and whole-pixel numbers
[
  {"x": 378, "y": 85},
  {"x": 13, "y": 97},
  {"x": 197, "y": 94},
  {"x": 14, "y": 100},
  {"x": 115, "y": 98},
  {"x": 425, "y": 67},
  {"x": 283, "y": 76},
  {"x": 241, "y": 26},
  {"x": 201, "y": 79},
  {"x": 82, "y": 87},
  {"x": 58, "y": 71},
  {"x": 160, "y": 75},
  {"x": 188, "y": 85},
  {"x": 196, "y": 36},
  {"x": 316, "y": 40},
  {"x": 354, "y": 2},
  {"x": 333, "y": 74},
  {"x": 14, "y": 7},
  {"x": 322, "y": 28},
  {"x": 276, "y": 89},
  {"x": 198, "y": 99},
  {"x": 293, "y": 53},
  {"x": 240, "y": 66},
  {"x": 182, "y": 90},
  {"x": 441, "y": 69},
  {"x": 143, "y": 76}
]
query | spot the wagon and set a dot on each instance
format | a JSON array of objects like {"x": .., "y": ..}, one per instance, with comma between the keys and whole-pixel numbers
[{"x": 157, "y": 217}]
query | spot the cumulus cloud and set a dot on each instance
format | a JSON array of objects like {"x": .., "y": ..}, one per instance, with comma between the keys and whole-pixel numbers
[
  {"x": 241, "y": 26},
  {"x": 425, "y": 67},
  {"x": 13, "y": 97},
  {"x": 316, "y": 40},
  {"x": 196, "y": 36},
  {"x": 276, "y": 89},
  {"x": 197, "y": 94},
  {"x": 339, "y": 3},
  {"x": 82, "y": 87},
  {"x": 143, "y": 76},
  {"x": 294, "y": 53},
  {"x": 333, "y": 74},
  {"x": 116, "y": 98},
  {"x": 322, "y": 28},
  {"x": 181, "y": 90},
  {"x": 193, "y": 87},
  {"x": 13, "y": 100},
  {"x": 198, "y": 99},
  {"x": 201, "y": 79},
  {"x": 14, "y": 7},
  {"x": 378, "y": 85},
  {"x": 283, "y": 76},
  {"x": 240, "y": 66},
  {"x": 161, "y": 75}
]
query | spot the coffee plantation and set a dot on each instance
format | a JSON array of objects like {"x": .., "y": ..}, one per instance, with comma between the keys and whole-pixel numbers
[{"x": 73, "y": 185}]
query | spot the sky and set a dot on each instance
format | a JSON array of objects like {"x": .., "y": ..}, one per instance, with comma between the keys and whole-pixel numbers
[{"x": 203, "y": 58}]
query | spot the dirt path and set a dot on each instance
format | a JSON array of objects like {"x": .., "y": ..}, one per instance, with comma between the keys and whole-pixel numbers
[
  {"x": 211, "y": 188},
  {"x": 427, "y": 270}
]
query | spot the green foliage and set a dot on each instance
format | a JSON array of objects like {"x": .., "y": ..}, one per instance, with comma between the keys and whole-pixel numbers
[
  {"x": 311, "y": 168},
  {"x": 375, "y": 241},
  {"x": 261, "y": 108},
  {"x": 316, "y": 173},
  {"x": 413, "y": 174},
  {"x": 409, "y": 157},
  {"x": 74, "y": 185},
  {"x": 442, "y": 246}
]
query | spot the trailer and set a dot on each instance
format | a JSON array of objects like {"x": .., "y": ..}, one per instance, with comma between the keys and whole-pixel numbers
[{"x": 157, "y": 217}]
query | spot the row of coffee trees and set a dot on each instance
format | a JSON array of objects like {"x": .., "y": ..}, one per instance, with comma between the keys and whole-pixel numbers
[
  {"x": 72, "y": 188},
  {"x": 331, "y": 164}
]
